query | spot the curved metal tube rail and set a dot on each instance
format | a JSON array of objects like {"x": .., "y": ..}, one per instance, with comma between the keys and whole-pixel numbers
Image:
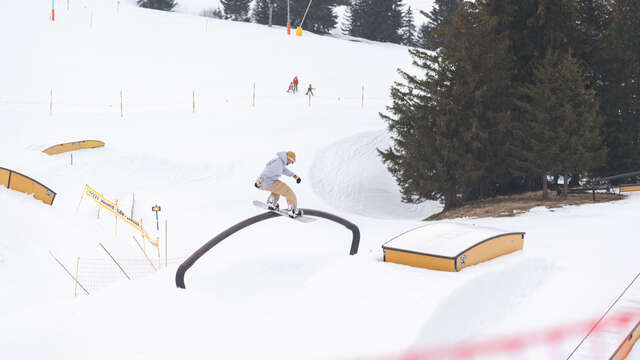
[{"x": 182, "y": 269}]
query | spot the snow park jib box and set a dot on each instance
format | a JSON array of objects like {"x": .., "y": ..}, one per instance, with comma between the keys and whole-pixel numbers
[
  {"x": 72, "y": 146},
  {"x": 15, "y": 181},
  {"x": 450, "y": 246},
  {"x": 629, "y": 187}
]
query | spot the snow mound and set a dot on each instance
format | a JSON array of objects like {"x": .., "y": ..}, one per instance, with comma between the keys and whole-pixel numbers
[
  {"x": 350, "y": 176},
  {"x": 519, "y": 280}
]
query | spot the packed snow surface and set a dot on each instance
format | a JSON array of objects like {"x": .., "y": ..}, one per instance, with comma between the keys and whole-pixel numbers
[{"x": 191, "y": 136}]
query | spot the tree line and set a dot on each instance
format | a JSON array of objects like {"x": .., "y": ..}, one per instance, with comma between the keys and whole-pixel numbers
[
  {"x": 378, "y": 20},
  {"x": 513, "y": 93}
]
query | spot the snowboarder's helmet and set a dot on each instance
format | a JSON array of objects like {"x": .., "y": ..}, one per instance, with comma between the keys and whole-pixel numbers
[{"x": 291, "y": 156}]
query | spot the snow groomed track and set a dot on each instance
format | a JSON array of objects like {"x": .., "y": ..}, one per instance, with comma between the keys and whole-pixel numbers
[{"x": 182, "y": 269}]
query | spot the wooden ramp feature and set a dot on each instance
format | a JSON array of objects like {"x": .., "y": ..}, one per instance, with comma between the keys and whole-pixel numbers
[
  {"x": 629, "y": 187},
  {"x": 15, "y": 181},
  {"x": 450, "y": 246},
  {"x": 72, "y": 146}
]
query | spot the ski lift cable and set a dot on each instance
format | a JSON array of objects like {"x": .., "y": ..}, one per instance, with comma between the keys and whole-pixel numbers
[{"x": 305, "y": 13}]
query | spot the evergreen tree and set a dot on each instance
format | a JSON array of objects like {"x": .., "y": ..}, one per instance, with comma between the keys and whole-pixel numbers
[
  {"x": 563, "y": 119},
  {"x": 213, "y": 13},
  {"x": 618, "y": 86},
  {"x": 320, "y": 19},
  {"x": 533, "y": 27},
  {"x": 166, "y": 5},
  {"x": 260, "y": 12},
  {"x": 485, "y": 67},
  {"x": 446, "y": 125},
  {"x": 355, "y": 17},
  {"x": 421, "y": 36},
  {"x": 431, "y": 36},
  {"x": 408, "y": 29},
  {"x": 236, "y": 10},
  {"x": 593, "y": 20},
  {"x": 377, "y": 20}
]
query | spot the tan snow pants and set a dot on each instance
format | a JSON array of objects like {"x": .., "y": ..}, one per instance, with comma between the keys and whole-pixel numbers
[{"x": 279, "y": 188}]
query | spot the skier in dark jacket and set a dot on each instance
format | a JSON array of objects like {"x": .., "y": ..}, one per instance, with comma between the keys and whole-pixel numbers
[{"x": 309, "y": 90}]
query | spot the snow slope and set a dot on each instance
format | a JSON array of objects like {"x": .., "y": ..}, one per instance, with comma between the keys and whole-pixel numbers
[{"x": 279, "y": 289}]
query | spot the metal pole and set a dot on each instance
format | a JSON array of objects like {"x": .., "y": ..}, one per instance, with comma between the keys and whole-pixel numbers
[
  {"x": 133, "y": 203},
  {"x": 144, "y": 243},
  {"x": 288, "y": 20},
  {"x": 158, "y": 248},
  {"x": 144, "y": 253},
  {"x": 75, "y": 290},
  {"x": 67, "y": 271},
  {"x": 305, "y": 13},
  {"x": 114, "y": 260},
  {"x": 81, "y": 197},
  {"x": 116, "y": 216},
  {"x": 270, "y": 12}
]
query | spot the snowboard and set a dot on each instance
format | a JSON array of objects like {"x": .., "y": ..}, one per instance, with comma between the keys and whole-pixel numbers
[{"x": 301, "y": 218}]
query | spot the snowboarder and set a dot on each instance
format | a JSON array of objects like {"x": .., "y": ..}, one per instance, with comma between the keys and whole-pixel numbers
[
  {"x": 309, "y": 90},
  {"x": 295, "y": 84},
  {"x": 268, "y": 181},
  {"x": 291, "y": 88}
]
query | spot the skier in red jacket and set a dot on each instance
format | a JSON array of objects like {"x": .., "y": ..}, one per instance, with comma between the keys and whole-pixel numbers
[{"x": 295, "y": 84}]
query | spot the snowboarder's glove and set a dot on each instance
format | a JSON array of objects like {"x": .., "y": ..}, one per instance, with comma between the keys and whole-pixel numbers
[
  {"x": 258, "y": 183},
  {"x": 298, "y": 179}
]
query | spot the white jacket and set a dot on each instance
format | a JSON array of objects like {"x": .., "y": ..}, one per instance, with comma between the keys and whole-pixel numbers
[{"x": 274, "y": 169}]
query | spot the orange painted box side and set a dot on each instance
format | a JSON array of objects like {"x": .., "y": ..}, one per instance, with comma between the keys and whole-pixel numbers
[
  {"x": 26, "y": 185},
  {"x": 419, "y": 260},
  {"x": 72, "y": 146},
  {"x": 625, "y": 348},
  {"x": 4, "y": 177},
  {"x": 624, "y": 188},
  {"x": 490, "y": 249}
]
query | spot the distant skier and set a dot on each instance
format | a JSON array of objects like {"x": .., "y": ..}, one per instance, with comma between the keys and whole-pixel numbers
[
  {"x": 295, "y": 84},
  {"x": 268, "y": 181},
  {"x": 309, "y": 90},
  {"x": 291, "y": 88}
]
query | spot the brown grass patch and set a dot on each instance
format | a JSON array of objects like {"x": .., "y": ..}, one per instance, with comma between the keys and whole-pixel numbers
[{"x": 512, "y": 205}]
